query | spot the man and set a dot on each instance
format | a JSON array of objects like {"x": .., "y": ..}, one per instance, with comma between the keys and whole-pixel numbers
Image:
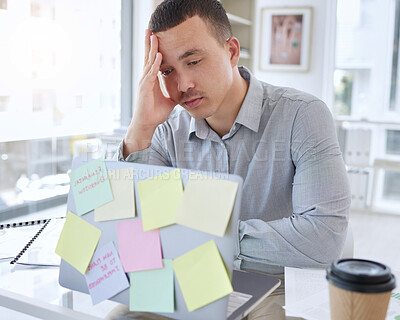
[{"x": 218, "y": 117}]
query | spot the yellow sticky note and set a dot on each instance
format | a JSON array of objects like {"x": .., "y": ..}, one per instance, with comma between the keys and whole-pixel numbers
[
  {"x": 202, "y": 276},
  {"x": 123, "y": 205},
  {"x": 78, "y": 241},
  {"x": 159, "y": 199},
  {"x": 207, "y": 204}
]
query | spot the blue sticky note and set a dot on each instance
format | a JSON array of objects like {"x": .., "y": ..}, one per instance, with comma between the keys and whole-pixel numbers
[
  {"x": 153, "y": 290},
  {"x": 90, "y": 186}
]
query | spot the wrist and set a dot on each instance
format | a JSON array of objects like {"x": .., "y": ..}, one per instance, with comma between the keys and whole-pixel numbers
[{"x": 137, "y": 139}]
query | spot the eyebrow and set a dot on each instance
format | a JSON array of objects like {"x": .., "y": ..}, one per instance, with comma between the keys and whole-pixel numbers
[
  {"x": 190, "y": 53},
  {"x": 187, "y": 54}
]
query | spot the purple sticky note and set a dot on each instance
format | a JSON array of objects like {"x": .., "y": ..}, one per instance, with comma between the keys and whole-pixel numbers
[
  {"x": 138, "y": 250},
  {"x": 105, "y": 276}
]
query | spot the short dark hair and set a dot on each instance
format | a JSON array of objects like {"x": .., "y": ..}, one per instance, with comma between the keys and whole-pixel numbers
[{"x": 171, "y": 13}]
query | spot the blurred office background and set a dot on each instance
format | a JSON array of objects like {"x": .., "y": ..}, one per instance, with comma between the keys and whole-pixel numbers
[{"x": 69, "y": 71}]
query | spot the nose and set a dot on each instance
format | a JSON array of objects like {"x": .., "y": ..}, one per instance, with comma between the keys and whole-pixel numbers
[{"x": 185, "y": 82}]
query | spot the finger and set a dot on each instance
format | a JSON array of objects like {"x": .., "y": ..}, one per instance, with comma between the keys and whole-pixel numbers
[
  {"x": 146, "y": 45},
  {"x": 156, "y": 65},
  {"x": 153, "y": 48},
  {"x": 152, "y": 53},
  {"x": 150, "y": 72}
]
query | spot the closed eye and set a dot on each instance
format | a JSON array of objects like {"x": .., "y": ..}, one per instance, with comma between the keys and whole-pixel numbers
[
  {"x": 166, "y": 72},
  {"x": 192, "y": 63}
]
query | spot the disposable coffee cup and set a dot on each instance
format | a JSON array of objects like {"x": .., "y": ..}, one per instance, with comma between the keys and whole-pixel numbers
[{"x": 359, "y": 289}]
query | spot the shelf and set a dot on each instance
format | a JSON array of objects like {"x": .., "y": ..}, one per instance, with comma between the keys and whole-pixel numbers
[{"x": 236, "y": 20}]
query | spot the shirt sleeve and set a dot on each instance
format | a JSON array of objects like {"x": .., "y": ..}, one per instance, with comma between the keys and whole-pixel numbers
[
  {"x": 156, "y": 154},
  {"x": 314, "y": 235}
]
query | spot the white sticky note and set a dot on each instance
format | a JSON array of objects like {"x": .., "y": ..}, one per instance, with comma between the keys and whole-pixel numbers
[{"x": 207, "y": 204}]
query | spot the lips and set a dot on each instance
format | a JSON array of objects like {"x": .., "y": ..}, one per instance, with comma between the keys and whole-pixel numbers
[{"x": 193, "y": 103}]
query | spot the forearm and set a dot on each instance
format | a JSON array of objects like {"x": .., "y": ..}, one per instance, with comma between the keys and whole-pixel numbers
[
  {"x": 154, "y": 154},
  {"x": 137, "y": 139},
  {"x": 311, "y": 239}
]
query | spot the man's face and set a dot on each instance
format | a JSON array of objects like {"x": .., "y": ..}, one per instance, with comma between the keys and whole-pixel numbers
[{"x": 196, "y": 69}]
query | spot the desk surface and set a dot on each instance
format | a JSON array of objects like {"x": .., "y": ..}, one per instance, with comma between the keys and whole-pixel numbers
[{"x": 42, "y": 285}]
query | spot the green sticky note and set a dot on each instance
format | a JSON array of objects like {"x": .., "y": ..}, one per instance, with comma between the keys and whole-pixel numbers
[
  {"x": 153, "y": 290},
  {"x": 90, "y": 186},
  {"x": 78, "y": 241},
  {"x": 202, "y": 276},
  {"x": 207, "y": 204},
  {"x": 159, "y": 199}
]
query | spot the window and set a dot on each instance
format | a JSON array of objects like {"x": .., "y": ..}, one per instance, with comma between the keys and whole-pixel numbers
[
  {"x": 393, "y": 142},
  {"x": 55, "y": 94},
  {"x": 365, "y": 43},
  {"x": 395, "y": 75},
  {"x": 367, "y": 92},
  {"x": 391, "y": 186},
  {"x": 48, "y": 62}
]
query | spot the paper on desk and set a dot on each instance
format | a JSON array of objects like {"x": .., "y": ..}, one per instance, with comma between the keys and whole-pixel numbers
[
  {"x": 90, "y": 186},
  {"x": 153, "y": 290},
  {"x": 41, "y": 252},
  {"x": 159, "y": 199},
  {"x": 13, "y": 240},
  {"x": 139, "y": 250},
  {"x": 105, "y": 276},
  {"x": 202, "y": 276},
  {"x": 207, "y": 204},
  {"x": 78, "y": 241},
  {"x": 307, "y": 295},
  {"x": 123, "y": 205}
]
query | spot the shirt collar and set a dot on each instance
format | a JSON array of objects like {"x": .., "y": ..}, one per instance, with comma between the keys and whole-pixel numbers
[{"x": 249, "y": 114}]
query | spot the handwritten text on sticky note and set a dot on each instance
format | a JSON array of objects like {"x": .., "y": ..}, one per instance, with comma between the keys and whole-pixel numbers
[
  {"x": 105, "y": 276},
  {"x": 90, "y": 186}
]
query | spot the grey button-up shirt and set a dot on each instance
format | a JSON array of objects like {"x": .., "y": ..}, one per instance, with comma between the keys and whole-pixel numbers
[{"x": 296, "y": 195}]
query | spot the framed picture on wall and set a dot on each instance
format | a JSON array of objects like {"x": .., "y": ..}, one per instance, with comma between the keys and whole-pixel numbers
[{"x": 285, "y": 39}]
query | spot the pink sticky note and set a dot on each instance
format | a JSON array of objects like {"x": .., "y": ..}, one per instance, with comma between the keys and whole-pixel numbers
[{"x": 138, "y": 249}]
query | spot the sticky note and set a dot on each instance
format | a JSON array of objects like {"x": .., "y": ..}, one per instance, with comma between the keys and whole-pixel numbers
[
  {"x": 202, "y": 276},
  {"x": 123, "y": 205},
  {"x": 90, "y": 186},
  {"x": 138, "y": 250},
  {"x": 153, "y": 290},
  {"x": 105, "y": 277},
  {"x": 159, "y": 199},
  {"x": 207, "y": 204},
  {"x": 78, "y": 241}
]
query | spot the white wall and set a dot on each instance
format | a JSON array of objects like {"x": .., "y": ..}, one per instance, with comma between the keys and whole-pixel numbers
[{"x": 318, "y": 80}]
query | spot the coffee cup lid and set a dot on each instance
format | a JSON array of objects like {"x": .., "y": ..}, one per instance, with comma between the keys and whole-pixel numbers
[{"x": 361, "y": 276}]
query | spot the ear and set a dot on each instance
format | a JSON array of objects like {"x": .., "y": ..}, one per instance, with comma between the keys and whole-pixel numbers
[{"x": 234, "y": 50}]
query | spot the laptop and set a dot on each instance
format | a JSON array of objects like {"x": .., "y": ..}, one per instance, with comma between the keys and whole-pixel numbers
[{"x": 175, "y": 240}]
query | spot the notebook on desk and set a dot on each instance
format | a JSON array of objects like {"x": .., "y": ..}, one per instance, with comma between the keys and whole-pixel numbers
[
  {"x": 31, "y": 242},
  {"x": 176, "y": 240}
]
